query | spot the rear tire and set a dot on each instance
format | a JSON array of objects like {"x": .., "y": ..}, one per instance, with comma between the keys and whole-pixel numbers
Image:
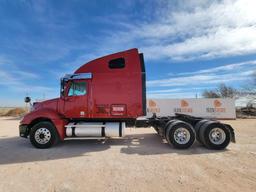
[
  {"x": 214, "y": 135},
  {"x": 168, "y": 124},
  {"x": 43, "y": 135},
  {"x": 198, "y": 125},
  {"x": 180, "y": 134}
]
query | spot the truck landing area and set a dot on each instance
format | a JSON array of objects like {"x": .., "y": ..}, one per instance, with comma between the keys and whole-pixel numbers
[{"x": 138, "y": 162}]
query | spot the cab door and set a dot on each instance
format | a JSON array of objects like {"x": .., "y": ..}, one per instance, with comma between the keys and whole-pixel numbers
[{"x": 76, "y": 99}]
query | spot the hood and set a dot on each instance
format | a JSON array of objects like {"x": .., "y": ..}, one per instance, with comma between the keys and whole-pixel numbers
[{"x": 49, "y": 104}]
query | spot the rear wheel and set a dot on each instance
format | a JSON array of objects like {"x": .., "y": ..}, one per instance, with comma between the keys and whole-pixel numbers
[
  {"x": 168, "y": 124},
  {"x": 215, "y": 135},
  {"x": 180, "y": 134},
  {"x": 43, "y": 135},
  {"x": 198, "y": 125}
]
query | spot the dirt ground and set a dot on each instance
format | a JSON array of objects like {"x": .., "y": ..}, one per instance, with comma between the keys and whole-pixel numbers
[{"x": 139, "y": 162}]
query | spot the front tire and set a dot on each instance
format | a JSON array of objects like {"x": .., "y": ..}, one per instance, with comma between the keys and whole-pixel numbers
[
  {"x": 43, "y": 135},
  {"x": 180, "y": 134}
]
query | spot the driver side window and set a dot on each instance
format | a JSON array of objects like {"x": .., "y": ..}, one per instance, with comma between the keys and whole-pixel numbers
[{"x": 77, "y": 88}]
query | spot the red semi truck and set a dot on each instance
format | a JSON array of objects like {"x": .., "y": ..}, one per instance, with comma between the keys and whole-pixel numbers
[{"x": 104, "y": 96}]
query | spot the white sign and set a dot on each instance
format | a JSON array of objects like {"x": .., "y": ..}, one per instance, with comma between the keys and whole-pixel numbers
[{"x": 207, "y": 108}]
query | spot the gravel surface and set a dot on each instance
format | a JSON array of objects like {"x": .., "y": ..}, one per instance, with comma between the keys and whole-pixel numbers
[{"x": 141, "y": 161}]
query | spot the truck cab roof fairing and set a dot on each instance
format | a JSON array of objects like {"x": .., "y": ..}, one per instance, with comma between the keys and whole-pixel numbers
[{"x": 100, "y": 65}]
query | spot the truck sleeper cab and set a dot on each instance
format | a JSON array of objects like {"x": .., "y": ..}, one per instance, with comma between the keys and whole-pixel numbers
[{"x": 104, "y": 96}]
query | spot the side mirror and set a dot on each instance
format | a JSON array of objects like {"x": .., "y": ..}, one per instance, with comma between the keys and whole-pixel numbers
[{"x": 27, "y": 99}]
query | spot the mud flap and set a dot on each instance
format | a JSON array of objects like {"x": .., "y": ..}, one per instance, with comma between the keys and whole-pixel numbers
[
  {"x": 232, "y": 133},
  {"x": 24, "y": 131}
]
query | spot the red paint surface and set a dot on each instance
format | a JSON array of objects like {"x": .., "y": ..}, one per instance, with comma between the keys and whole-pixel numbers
[
  {"x": 115, "y": 86},
  {"x": 107, "y": 88}
]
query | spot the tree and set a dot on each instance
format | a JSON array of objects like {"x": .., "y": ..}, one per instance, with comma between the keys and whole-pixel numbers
[
  {"x": 210, "y": 94},
  {"x": 226, "y": 91},
  {"x": 223, "y": 91}
]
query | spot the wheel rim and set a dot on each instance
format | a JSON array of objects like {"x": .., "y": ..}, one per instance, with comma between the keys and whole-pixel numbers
[
  {"x": 181, "y": 135},
  {"x": 42, "y": 135},
  {"x": 217, "y": 136}
]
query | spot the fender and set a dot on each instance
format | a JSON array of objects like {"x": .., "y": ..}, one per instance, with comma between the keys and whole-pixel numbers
[
  {"x": 56, "y": 118},
  {"x": 233, "y": 138}
]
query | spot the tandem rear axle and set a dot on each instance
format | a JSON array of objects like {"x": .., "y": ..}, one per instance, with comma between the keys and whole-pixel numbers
[{"x": 182, "y": 130}]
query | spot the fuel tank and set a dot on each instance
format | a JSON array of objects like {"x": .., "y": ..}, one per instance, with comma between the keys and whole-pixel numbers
[{"x": 95, "y": 129}]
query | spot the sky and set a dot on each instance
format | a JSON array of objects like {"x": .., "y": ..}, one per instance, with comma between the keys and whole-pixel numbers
[{"x": 188, "y": 46}]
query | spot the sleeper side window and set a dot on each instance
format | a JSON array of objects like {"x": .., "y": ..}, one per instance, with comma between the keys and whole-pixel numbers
[
  {"x": 118, "y": 63},
  {"x": 77, "y": 88}
]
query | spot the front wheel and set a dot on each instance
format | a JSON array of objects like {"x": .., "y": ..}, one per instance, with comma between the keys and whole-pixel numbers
[
  {"x": 180, "y": 134},
  {"x": 43, "y": 135}
]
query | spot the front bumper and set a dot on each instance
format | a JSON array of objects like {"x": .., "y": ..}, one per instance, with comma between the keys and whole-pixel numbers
[{"x": 24, "y": 131}]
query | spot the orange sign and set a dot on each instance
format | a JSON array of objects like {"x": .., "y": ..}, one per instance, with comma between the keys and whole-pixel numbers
[
  {"x": 151, "y": 103},
  {"x": 217, "y": 103},
  {"x": 217, "y": 107},
  {"x": 184, "y": 107},
  {"x": 183, "y": 103},
  {"x": 152, "y": 107}
]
